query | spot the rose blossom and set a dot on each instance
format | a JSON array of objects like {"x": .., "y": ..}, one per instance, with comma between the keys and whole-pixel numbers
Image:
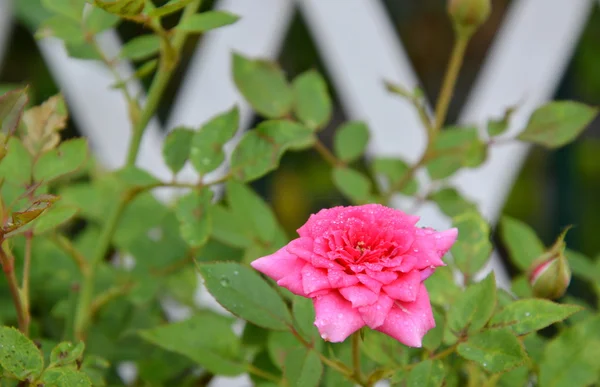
[{"x": 362, "y": 265}]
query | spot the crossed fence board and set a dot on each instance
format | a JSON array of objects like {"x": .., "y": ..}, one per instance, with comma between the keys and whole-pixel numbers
[{"x": 359, "y": 47}]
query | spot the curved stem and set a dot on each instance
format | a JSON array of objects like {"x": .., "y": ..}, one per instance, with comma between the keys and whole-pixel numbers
[
  {"x": 161, "y": 79},
  {"x": 327, "y": 154},
  {"x": 261, "y": 373},
  {"x": 8, "y": 266},
  {"x": 456, "y": 59}
]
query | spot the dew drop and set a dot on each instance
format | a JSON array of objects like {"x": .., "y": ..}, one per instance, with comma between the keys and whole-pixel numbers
[
  {"x": 527, "y": 314},
  {"x": 236, "y": 272},
  {"x": 340, "y": 315},
  {"x": 485, "y": 364},
  {"x": 225, "y": 282}
]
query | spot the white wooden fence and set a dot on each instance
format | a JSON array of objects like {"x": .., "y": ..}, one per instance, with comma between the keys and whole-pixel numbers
[{"x": 360, "y": 48}]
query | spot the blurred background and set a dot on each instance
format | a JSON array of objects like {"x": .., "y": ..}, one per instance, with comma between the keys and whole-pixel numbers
[{"x": 553, "y": 189}]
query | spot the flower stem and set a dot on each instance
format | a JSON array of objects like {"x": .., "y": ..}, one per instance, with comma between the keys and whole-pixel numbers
[
  {"x": 27, "y": 268},
  {"x": 261, "y": 373},
  {"x": 456, "y": 59},
  {"x": 356, "y": 357},
  {"x": 161, "y": 79},
  {"x": 326, "y": 154},
  {"x": 8, "y": 267}
]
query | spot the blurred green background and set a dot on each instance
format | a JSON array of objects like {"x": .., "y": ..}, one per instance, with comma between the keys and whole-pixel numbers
[{"x": 554, "y": 189}]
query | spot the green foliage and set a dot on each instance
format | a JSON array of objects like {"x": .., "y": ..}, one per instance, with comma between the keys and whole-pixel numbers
[
  {"x": 351, "y": 140},
  {"x": 19, "y": 356},
  {"x": 455, "y": 148},
  {"x": 263, "y": 85},
  {"x": 176, "y": 148},
  {"x": 194, "y": 217},
  {"x": 312, "y": 104},
  {"x": 429, "y": 373},
  {"x": 207, "y": 21},
  {"x": 353, "y": 184},
  {"x": 473, "y": 247},
  {"x": 12, "y": 105},
  {"x": 496, "y": 127},
  {"x": 451, "y": 202},
  {"x": 140, "y": 48},
  {"x": 168, "y": 8},
  {"x": 521, "y": 241},
  {"x": 472, "y": 310},
  {"x": 303, "y": 368},
  {"x": 121, "y": 7},
  {"x": 245, "y": 294},
  {"x": 68, "y": 158},
  {"x": 557, "y": 123},
  {"x": 206, "y": 338},
  {"x": 394, "y": 171},
  {"x": 496, "y": 350},
  {"x": 524, "y": 316},
  {"x": 206, "y": 151},
  {"x": 260, "y": 150},
  {"x": 66, "y": 353}
]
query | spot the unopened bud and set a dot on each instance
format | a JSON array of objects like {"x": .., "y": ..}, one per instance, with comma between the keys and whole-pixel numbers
[
  {"x": 469, "y": 14},
  {"x": 550, "y": 275}
]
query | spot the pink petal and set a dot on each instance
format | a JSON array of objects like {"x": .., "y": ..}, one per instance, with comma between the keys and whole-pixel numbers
[
  {"x": 339, "y": 279},
  {"x": 314, "y": 279},
  {"x": 385, "y": 277},
  {"x": 445, "y": 239},
  {"x": 374, "y": 315},
  {"x": 279, "y": 264},
  {"x": 335, "y": 318},
  {"x": 301, "y": 247},
  {"x": 369, "y": 282},
  {"x": 405, "y": 288},
  {"x": 425, "y": 273},
  {"x": 324, "y": 263},
  {"x": 408, "y": 322},
  {"x": 358, "y": 295},
  {"x": 293, "y": 283}
]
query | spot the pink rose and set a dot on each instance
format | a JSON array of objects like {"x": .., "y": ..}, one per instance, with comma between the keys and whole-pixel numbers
[{"x": 363, "y": 265}]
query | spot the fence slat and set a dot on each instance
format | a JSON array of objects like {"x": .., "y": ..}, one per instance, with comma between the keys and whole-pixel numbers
[{"x": 5, "y": 26}]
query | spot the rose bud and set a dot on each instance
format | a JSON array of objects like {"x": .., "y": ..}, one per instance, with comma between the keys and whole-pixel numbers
[
  {"x": 550, "y": 275},
  {"x": 469, "y": 13}
]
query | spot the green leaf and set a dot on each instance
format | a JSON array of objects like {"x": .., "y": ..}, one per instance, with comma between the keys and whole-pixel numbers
[
  {"x": 473, "y": 246},
  {"x": 69, "y": 8},
  {"x": 264, "y": 86},
  {"x": 433, "y": 338},
  {"x": 524, "y": 316},
  {"x": 304, "y": 317},
  {"x": 571, "y": 358},
  {"x": 141, "y": 47},
  {"x": 451, "y": 202},
  {"x": 206, "y": 21},
  {"x": 121, "y": 7},
  {"x": 516, "y": 377},
  {"x": 206, "y": 152},
  {"x": 19, "y": 356},
  {"x": 182, "y": 286},
  {"x": 394, "y": 171},
  {"x": 227, "y": 229},
  {"x": 350, "y": 140},
  {"x": 455, "y": 148},
  {"x": 66, "y": 353},
  {"x": 428, "y": 373},
  {"x": 64, "y": 377},
  {"x": 260, "y": 150},
  {"x": 244, "y": 293},
  {"x": 170, "y": 7},
  {"x": 557, "y": 123},
  {"x": 82, "y": 50},
  {"x": 442, "y": 287},
  {"x": 16, "y": 166},
  {"x": 12, "y": 105},
  {"x": 472, "y": 310},
  {"x": 496, "y": 350},
  {"x": 130, "y": 177},
  {"x": 98, "y": 20},
  {"x": 279, "y": 345},
  {"x": 53, "y": 218},
  {"x": 303, "y": 368},
  {"x": 176, "y": 148},
  {"x": 68, "y": 158},
  {"x": 312, "y": 102},
  {"x": 582, "y": 266},
  {"x": 193, "y": 213},
  {"x": 521, "y": 241},
  {"x": 499, "y": 126},
  {"x": 61, "y": 27},
  {"x": 251, "y": 211},
  {"x": 353, "y": 184},
  {"x": 206, "y": 338}
]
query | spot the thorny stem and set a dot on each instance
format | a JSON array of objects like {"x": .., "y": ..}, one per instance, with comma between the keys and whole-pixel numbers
[
  {"x": 161, "y": 79},
  {"x": 8, "y": 267}
]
